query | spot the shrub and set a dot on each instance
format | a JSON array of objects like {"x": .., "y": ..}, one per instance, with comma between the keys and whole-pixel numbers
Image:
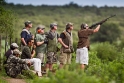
[
  {"x": 64, "y": 76},
  {"x": 106, "y": 51}
]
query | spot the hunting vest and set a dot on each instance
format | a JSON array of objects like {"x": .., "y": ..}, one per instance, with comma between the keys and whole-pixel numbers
[
  {"x": 68, "y": 40},
  {"x": 52, "y": 44}
]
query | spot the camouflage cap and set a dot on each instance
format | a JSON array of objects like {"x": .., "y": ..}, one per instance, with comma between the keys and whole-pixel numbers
[
  {"x": 53, "y": 24},
  {"x": 16, "y": 51},
  {"x": 14, "y": 45},
  {"x": 27, "y": 22}
]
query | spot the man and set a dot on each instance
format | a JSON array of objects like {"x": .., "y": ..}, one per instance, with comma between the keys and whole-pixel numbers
[
  {"x": 83, "y": 44},
  {"x": 41, "y": 42},
  {"x": 25, "y": 34},
  {"x": 10, "y": 51},
  {"x": 26, "y": 54},
  {"x": 52, "y": 36},
  {"x": 66, "y": 41},
  {"x": 15, "y": 65}
]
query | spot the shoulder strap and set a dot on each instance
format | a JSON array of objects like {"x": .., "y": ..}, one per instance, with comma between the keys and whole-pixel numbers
[
  {"x": 26, "y": 31},
  {"x": 65, "y": 33}
]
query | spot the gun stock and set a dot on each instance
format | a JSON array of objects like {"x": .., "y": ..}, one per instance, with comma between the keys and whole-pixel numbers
[{"x": 101, "y": 22}]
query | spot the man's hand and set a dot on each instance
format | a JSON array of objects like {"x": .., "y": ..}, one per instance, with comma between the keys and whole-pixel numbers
[
  {"x": 66, "y": 46},
  {"x": 28, "y": 63},
  {"x": 46, "y": 41}
]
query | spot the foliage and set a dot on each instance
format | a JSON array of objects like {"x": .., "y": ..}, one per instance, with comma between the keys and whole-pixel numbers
[
  {"x": 2, "y": 75},
  {"x": 119, "y": 44},
  {"x": 28, "y": 74},
  {"x": 6, "y": 22},
  {"x": 64, "y": 76},
  {"x": 107, "y": 32},
  {"x": 106, "y": 51},
  {"x": 107, "y": 71}
]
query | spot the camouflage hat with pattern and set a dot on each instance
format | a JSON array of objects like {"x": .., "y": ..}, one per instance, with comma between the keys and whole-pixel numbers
[
  {"x": 14, "y": 45},
  {"x": 16, "y": 51},
  {"x": 28, "y": 22}
]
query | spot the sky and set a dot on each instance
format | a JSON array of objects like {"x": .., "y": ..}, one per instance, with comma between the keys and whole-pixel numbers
[{"x": 98, "y": 3}]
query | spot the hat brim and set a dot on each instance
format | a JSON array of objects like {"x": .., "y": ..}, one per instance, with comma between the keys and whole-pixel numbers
[{"x": 42, "y": 28}]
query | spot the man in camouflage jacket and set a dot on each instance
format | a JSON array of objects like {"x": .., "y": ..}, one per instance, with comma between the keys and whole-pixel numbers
[{"x": 15, "y": 65}]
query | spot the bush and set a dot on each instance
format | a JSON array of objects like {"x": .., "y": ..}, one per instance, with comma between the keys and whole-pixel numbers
[
  {"x": 64, "y": 76},
  {"x": 106, "y": 51},
  {"x": 106, "y": 72}
]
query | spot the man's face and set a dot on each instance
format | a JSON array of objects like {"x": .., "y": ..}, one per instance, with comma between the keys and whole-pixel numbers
[
  {"x": 86, "y": 25},
  {"x": 32, "y": 43},
  {"x": 30, "y": 25},
  {"x": 71, "y": 27},
  {"x": 42, "y": 31},
  {"x": 55, "y": 27}
]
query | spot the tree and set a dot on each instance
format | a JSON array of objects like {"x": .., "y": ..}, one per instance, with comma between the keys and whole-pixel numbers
[{"x": 6, "y": 25}]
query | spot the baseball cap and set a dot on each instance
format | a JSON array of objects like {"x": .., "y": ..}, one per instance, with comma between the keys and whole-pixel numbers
[
  {"x": 69, "y": 23},
  {"x": 40, "y": 27},
  {"x": 53, "y": 24},
  {"x": 27, "y": 22},
  {"x": 16, "y": 51},
  {"x": 14, "y": 45}
]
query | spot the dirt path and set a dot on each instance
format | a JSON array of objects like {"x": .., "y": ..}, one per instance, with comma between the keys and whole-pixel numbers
[{"x": 14, "y": 80}]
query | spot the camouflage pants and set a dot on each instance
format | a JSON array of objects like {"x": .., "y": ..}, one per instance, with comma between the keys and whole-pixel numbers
[{"x": 51, "y": 57}]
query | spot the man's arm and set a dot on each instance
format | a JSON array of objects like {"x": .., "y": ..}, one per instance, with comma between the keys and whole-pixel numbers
[
  {"x": 23, "y": 35},
  {"x": 40, "y": 43},
  {"x": 61, "y": 42},
  {"x": 96, "y": 29},
  {"x": 23, "y": 41},
  {"x": 15, "y": 59}
]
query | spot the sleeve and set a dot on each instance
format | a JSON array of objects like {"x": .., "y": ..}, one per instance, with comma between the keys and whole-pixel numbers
[
  {"x": 50, "y": 36},
  {"x": 27, "y": 52},
  {"x": 18, "y": 60},
  {"x": 22, "y": 61},
  {"x": 90, "y": 31},
  {"x": 23, "y": 34},
  {"x": 62, "y": 36},
  {"x": 37, "y": 38}
]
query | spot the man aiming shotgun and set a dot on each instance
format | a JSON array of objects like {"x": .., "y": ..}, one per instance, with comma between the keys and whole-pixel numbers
[{"x": 83, "y": 45}]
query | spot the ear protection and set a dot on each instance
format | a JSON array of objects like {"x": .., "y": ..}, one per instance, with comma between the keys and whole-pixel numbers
[
  {"x": 39, "y": 31},
  {"x": 83, "y": 26}
]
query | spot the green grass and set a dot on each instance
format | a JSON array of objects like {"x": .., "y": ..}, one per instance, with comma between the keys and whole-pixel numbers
[{"x": 3, "y": 76}]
